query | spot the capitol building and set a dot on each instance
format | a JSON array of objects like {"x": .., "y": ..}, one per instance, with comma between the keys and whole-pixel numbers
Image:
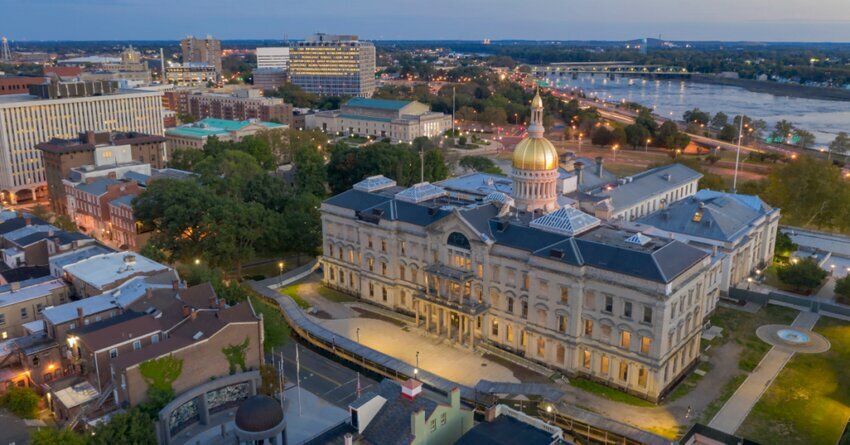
[{"x": 529, "y": 272}]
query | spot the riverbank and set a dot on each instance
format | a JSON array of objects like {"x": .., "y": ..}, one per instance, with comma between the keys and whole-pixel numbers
[{"x": 777, "y": 89}]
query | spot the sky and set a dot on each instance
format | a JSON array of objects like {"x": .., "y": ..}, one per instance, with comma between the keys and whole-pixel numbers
[{"x": 727, "y": 20}]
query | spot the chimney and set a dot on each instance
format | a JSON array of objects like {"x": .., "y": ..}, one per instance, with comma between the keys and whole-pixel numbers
[
  {"x": 175, "y": 284},
  {"x": 579, "y": 172},
  {"x": 349, "y": 439},
  {"x": 213, "y": 303},
  {"x": 112, "y": 175},
  {"x": 149, "y": 292},
  {"x": 411, "y": 388},
  {"x": 28, "y": 221},
  {"x": 599, "y": 166},
  {"x": 80, "y": 318},
  {"x": 14, "y": 287},
  {"x": 187, "y": 311},
  {"x": 194, "y": 314},
  {"x": 491, "y": 414},
  {"x": 221, "y": 303},
  {"x": 90, "y": 138}
]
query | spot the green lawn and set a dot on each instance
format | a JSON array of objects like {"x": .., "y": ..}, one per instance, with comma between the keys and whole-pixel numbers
[
  {"x": 809, "y": 402},
  {"x": 624, "y": 169},
  {"x": 275, "y": 328},
  {"x": 740, "y": 327},
  {"x": 292, "y": 292},
  {"x": 335, "y": 295},
  {"x": 609, "y": 393}
]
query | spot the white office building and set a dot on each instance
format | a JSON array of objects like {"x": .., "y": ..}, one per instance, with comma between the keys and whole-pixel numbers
[
  {"x": 273, "y": 57},
  {"x": 64, "y": 111}
]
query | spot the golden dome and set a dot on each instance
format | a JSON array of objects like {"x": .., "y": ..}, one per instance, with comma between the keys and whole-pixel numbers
[
  {"x": 535, "y": 154},
  {"x": 537, "y": 102}
]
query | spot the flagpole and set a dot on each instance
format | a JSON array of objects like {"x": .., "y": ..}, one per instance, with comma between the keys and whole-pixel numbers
[
  {"x": 738, "y": 154},
  {"x": 280, "y": 380},
  {"x": 298, "y": 376}
]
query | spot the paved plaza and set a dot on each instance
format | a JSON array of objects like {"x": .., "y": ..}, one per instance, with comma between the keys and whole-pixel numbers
[{"x": 455, "y": 363}]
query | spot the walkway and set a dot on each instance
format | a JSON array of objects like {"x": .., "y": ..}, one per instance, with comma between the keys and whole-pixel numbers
[{"x": 733, "y": 413}]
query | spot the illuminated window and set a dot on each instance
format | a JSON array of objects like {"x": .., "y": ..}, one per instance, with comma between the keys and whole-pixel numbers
[
  {"x": 645, "y": 344},
  {"x": 625, "y": 339},
  {"x": 588, "y": 327},
  {"x": 697, "y": 216},
  {"x": 586, "y": 359},
  {"x": 603, "y": 365}
]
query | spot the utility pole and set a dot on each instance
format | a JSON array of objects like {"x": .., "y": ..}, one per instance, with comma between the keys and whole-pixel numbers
[
  {"x": 453, "y": 111},
  {"x": 738, "y": 154}
]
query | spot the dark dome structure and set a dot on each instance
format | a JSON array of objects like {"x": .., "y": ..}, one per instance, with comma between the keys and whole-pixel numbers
[{"x": 259, "y": 413}]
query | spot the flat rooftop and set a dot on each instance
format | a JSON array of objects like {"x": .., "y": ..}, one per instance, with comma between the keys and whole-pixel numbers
[
  {"x": 102, "y": 270},
  {"x": 26, "y": 99}
]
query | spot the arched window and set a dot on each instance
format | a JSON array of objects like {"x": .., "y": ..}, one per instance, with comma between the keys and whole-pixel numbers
[{"x": 458, "y": 239}]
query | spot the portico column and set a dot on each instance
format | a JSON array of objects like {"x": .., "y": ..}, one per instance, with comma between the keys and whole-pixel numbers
[
  {"x": 439, "y": 321},
  {"x": 416, "y": 309},
  {"x": 470, "y": 324},
  {"x": 427, "y": 317}
]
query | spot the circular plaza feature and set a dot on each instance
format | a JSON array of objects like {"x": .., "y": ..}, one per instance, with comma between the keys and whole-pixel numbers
[{"x": 792, "y": 339}]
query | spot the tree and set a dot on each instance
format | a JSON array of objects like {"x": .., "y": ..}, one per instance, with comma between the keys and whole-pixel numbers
[
  {"x": 806, "y": 138},
  {"x": 53, "y": 436},
  {"x": 602, "y": 136},
  {"x": 65, "y": 223},
  {"x": 841, "y": 143},
  {"x": 41, "y": 212},
  {"x": 671, "y": 137},
  {"x": 310, "y": 171},
  {"x": 719, "y": 120},
  {"x": 269, "y": 381},
  {"x": 132, "y": 427},
  {"x": 303, "y": 225},
  {"x": 234, "y": 229},
  {"x": 150, "y": 250},
  {"x": 811, "y": 193},
  {"x": 842, "y": 286},
  {"x": 784, "y": 246},
  {"x": 802, "y": 275},
  {"x": 186, "y": 159},
  {"x": 727, "y": 133},
  {"x": 619, "y": 136},
  {"x": 646, "y": 120},
  {"x": 697, "y": 116},
  {"x": 480, "y": 164},
  {"x": 23, "y": 401},
  {"x": 782, "y": 130},
  {"x": 636, "y": 135}
]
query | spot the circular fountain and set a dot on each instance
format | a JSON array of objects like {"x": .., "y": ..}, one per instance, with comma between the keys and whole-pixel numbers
[
  {"x": 791, "y": 339},
  {"x": 793, "y": 336}
]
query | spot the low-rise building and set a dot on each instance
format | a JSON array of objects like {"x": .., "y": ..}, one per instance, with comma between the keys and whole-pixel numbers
[
  {"x": 399, "y": 410},
  {"x": 191, "y": 74},
  {"x": 23, "y": 302},
  {"x": 195, "y": 135},
  {"x": 397, "y": 120},
  {"x": 100, "y": 273},
  {"x": 269, "y": 78},
  {"x": 635, "y": 196},
  {"x": 89, "y": 203},
  {"x": 740, "y": 228},
  {"x": 91, "y": 155},
  {"x": 240, "y": 105},
  {"x": 17, "y": 84}
]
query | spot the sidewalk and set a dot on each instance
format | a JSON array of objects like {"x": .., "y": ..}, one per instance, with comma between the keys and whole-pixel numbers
[{"x": 736, "y": 409}]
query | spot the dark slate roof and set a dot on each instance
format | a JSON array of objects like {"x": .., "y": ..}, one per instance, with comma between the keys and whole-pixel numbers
[
  {"x": 505, "y": 430},
  {"x": 650, "y": 183},
  {"x": 25, "y": 273},
  {"x": 606, "y": 248},
  {"x": 356, "y": 200},
  {"x": 722, "y": 216},
  {"x": 391, "y": 425},
  {"x": 68, "y": 237},
  {"x": 19, "y": 222},
  {"x": 140, "y": 178},
  {"x": 98, "y": 186},
  {"x": 31, "y": 238}
]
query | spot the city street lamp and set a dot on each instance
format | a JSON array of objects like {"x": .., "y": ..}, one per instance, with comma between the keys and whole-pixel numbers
[
  {"x": 416, "y": 369},
  {"x": 614, "y": 148},
  {"x": 358, "y": 335},
  {"x": 280, "y": 266},
  {"x": 646, "y": 147},
  {"x": 580, "y": 136},
  {"x": 197, "y": 261}
]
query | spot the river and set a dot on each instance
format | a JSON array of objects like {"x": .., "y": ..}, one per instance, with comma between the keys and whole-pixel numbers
[{"x": 671, "y": 98}]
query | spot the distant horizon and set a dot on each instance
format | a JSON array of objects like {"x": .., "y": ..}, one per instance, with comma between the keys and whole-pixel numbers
[
  {"x": 493, "y": 41},
  {"x": 816, "y": 21}
]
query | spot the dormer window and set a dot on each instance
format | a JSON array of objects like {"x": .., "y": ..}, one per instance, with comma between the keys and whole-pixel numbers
[{"x": 697, "y": 216}]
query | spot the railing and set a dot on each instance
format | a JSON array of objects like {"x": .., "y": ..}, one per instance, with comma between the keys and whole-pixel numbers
[{"x": 574, "y": 421}]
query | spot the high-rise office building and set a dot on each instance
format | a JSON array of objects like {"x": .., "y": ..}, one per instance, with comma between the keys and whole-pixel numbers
[
  {"x": 63, "y": 110},
  {"x": 273, "y": 57},
  {"x": 206, "y": 50},
  {"x": 332, "y": 65}
]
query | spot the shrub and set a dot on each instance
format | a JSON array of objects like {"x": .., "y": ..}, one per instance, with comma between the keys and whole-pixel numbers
[
  {"x": 22, "y": 401},
  {"x": 803, "y": 275}
]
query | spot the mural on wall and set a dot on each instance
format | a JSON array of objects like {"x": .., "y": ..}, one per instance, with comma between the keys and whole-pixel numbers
[
  {"x": 227, "y": 397},
  {"x": 183, "y": 416}
]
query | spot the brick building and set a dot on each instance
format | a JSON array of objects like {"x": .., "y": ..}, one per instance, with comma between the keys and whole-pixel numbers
[
  {"x": 17, "y": 84},
  {"x": 241, "y": 105},
  {"x": 61, "y": 156}
]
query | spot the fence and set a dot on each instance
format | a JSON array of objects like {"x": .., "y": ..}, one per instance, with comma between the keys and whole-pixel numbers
[
  {"x": 587, "y": 426},
  {"x": 825, "y": 308}
]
